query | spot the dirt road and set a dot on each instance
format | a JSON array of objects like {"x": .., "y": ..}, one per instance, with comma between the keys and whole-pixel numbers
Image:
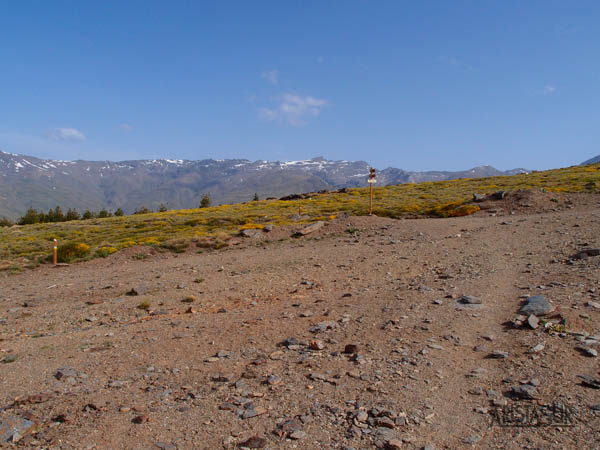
[{"x": 349, "y": 338}]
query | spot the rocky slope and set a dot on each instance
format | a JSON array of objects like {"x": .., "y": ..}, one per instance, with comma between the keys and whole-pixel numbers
[{"x": 369, "y": 333}]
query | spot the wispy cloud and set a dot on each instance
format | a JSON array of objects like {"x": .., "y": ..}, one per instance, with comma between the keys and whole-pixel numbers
[
  {"x": 271, "y": 76},
  {"x": 66, "y": 134},
  {"x": 549, "y": 89},
  {"x": 449, "y": 60},
  {"x": 293, "y": 109},
  {"x": 126, "y": 127}
]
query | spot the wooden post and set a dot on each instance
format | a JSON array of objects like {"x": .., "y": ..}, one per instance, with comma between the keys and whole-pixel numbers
[
  {"x": 54, "y": 253},
  {"x": 371, "y": 181}
]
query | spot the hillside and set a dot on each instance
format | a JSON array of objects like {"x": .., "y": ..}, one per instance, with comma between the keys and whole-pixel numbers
[
  {"x": 593, "y": 160},
  {"x": 369, "y": 333},
  {"x": 27, "y": 246},
  {"x": 26, "y": 181}
]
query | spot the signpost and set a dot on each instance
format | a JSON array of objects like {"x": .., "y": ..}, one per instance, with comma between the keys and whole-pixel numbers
[
  {"x": 54, "y": 253},
  {"x": 371, "y": 182}
]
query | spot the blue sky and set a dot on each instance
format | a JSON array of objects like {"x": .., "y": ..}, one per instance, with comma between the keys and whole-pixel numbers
[{"x": 415, "y": 85}]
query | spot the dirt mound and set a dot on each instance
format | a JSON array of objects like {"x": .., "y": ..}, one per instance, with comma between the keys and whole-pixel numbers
[{"x": 530, "y": 201}]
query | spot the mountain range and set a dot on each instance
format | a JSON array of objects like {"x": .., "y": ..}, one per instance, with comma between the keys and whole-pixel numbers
[
  {"x": 594, "y": 160},
  {"x": 26, "y": 181}
]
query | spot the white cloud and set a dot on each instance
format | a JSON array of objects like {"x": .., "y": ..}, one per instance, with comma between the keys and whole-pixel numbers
[
  {"x": 293, "y": 109},
  {"x": 549, "y": 89},
  {"x": 272, "y": 76},
  {"x": 66, "y": 134},
  {"x": 126, "y": 127}
]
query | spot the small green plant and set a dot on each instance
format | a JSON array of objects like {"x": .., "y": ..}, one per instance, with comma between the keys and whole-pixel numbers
[
  {"x": 199, "y": 280},
  {"x": 453, "y": 209},
  {"x": 189, "y": 299},
  {"x": 219, "y": 240},
  {"x": 103, "y": 252},
  {"x": 176, "y": 245},
  {"x": 9, "y": 359},
  {"x": 13, "y": 269},
  {"x": 145, "y": 305},
  {"x": 72, "y": 251}
]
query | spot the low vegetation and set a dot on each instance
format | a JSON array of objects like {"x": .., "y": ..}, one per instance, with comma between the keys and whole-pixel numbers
[{"x": 212, "y": 227}]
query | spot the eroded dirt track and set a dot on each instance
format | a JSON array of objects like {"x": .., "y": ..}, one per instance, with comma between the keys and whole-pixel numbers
[{"x": 217, "y": 375}]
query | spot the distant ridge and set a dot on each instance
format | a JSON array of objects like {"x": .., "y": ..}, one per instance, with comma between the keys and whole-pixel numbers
[
  {"x": 594, "y": 160},
  {"x": 26, "y": 181}
]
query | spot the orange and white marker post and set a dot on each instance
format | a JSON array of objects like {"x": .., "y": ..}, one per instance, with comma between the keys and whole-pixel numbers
[
  {"x": 54, "y": 253},
  {"x": 371, "y": 182}
]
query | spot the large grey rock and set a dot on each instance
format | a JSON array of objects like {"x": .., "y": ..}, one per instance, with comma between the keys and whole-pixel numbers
[
  {"x": 140, "y": 289},
  {"x": 498, "y": 195},
  {"x": 13, "y": 428},
  {"x": 586, "y": 253},
  {"x": 467, "y": 302},
  {"x": 311, "y": 228},
  {"x": 536, "y": 305},
  {"x": 470, "y": 300},
  {"x": 471, "y": 440},
  {"x": 525, "y": 392},
  {"x": 323, "y": 326},
  {"x": 254, "y": 442},
  {"x": 65, "y": 372},
  {"x": 250, "y": 233},
  {"x": 590, "y": 381},
  {"x": 533, "y": 321}
]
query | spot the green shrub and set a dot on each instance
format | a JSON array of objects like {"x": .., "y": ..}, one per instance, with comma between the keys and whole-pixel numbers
[
  {"x": 145, "y": 305},
  {"x": 72, "y": 251},
  {"x": 103, "y": 252},
  {"x": 4, "y": 222},
  {"x": 453, "y": 209},
  {"x": 176, "y": 245}
]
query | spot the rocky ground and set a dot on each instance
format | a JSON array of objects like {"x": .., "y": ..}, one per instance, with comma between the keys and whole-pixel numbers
[{"x": 369, "y": 332}]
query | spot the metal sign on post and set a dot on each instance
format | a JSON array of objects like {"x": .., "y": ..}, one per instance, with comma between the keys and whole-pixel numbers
[{"x": 371, "y": 182}]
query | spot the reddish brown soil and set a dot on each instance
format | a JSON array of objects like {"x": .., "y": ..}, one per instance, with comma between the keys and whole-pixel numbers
[{"x": 376, "y": 279}]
